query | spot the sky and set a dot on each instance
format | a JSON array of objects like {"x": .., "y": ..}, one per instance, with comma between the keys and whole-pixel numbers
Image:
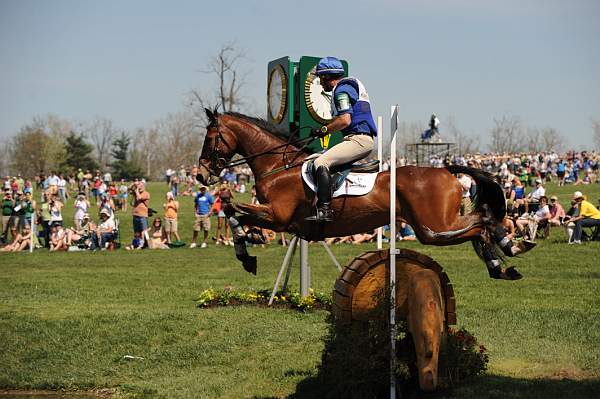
[{"x": 135, "y": 61}]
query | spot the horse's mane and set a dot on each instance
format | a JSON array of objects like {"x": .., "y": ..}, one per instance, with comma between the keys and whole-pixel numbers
[{"x": 263, "y": 124}]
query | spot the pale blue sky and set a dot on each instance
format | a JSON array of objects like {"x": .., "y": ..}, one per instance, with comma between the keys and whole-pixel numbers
[{"x": 134, "y": 61}]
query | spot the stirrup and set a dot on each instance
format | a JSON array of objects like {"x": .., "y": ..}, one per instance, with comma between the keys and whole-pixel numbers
[{"x": 324, "y": 214}]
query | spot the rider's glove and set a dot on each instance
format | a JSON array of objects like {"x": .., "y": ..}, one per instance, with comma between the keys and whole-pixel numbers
[{"x": 319, "y": 131}]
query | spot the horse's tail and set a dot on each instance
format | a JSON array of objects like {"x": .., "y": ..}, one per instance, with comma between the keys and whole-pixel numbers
[
  {"x": 490, "y": 203},
  {"x": 489, "y": 197}
]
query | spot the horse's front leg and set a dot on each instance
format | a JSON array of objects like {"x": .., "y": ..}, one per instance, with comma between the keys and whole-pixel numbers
[{"x": 252, "y": 215}]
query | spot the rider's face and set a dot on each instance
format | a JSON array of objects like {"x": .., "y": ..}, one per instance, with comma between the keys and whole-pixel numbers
[{"x": 326, "y": 82}]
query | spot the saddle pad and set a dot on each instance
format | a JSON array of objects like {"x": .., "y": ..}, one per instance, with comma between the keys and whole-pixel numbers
[{"x": 354, "y": 184}]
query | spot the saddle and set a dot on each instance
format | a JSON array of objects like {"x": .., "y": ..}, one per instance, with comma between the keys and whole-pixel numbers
[{"x": 346, "y": 179}]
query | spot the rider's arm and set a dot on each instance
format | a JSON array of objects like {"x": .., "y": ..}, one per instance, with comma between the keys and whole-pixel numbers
[{"x": 339, "y": 123}]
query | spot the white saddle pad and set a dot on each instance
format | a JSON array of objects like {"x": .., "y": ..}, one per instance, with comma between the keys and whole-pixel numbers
[{"x": 354, "y": 184}]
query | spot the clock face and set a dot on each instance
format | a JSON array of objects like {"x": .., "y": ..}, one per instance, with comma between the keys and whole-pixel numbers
[
  {"x": 277, "y": 94},
  {"x": 318, "y": 101}
]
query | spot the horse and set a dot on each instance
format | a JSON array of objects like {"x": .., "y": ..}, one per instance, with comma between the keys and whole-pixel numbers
[{"x": 428, "y": 199}]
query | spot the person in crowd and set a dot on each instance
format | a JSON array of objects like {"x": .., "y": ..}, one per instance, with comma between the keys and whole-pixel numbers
[
  {"x": 157, "y": 236},
  {"x": 55, "y": 208},
  {"x": 20, "y": 242},
  {"x": 588, "y": 216},
  {"x": 83, "y": 234},
  {"x": 8, "y": 204},
  {"x": 541, "y": 214},
  {"x": 175, "y": 185},
  {"x": 106, "y": 203},
  {"x": 52, "y": 183},
  {"x": 28, "y": 209},
  {"x": 532, "y": 200},
  {"x": 519, "y": 189},
  {"x": 58, "y": 238},
  {"x": 136, "y": 243},
  {"x": 203, "y": 202},
  {"x": 168, "y": 173},
  {"x": 509, "y": 226},
  {"x": 225, "y": 196},
  {"x": 171, "y": 208},
  {"x": 122, "y": 196},
  {"x": 96, "y": 189},
  {"x": 62, "y": 188},
  {"x": 104, "y": 233},
  {"x": 82, "y": 206},
  {"x": 141, "y": 202},
  {"x": 107, "y": 178},
  {"x": 406, "y": 233},
  {"x": 561, "y": 168},
  {"x": 557, "y": 212},
  {"x": 465, "y": 183},
  {"x": 45, "y": 217}
]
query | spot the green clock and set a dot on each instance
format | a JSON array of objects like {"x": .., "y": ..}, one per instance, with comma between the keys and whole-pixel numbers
[{"x": 296, "y": 101}]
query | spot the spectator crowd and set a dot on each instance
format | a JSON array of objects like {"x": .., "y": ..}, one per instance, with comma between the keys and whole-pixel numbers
[{"x": 98, "y": 201}]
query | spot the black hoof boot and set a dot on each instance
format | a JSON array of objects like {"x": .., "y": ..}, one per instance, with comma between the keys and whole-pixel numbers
[
  {"x": 510, "y": 273},
  {"x": 250, "y": 264}
]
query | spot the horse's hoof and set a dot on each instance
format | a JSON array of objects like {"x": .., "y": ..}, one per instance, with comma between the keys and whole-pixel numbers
[
  {"x": 523, "y": 246},
  {"x": 512, "y": 273},
  {"x": 250, "y": 264}
]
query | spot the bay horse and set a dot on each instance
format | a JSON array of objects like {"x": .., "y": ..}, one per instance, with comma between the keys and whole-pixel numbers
[{"x": 428, "y": 199}]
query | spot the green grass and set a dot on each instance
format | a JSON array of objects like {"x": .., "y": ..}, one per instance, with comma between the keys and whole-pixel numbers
[{"x": 67, "y": 320}]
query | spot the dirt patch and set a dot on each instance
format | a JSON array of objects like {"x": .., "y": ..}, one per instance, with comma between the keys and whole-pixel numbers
[
  {"x": 572, "y": 374},
  {"x": 49, "y": 394}
]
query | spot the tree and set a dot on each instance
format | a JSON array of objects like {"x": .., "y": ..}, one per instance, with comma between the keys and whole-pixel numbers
[
  {"x": 102, "y": 132},
  {"x": 466, "y": 144},
  {"x": 506, "y": 135},
  {"x": 225, "y": 66},
  {"x": 122, "y": 167},
  {"x": 39, "y": 146},
  {"x": 78, "y": 153}
]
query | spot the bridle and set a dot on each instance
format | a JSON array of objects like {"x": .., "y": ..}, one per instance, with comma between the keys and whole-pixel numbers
[{"x": 218, "y": 161}]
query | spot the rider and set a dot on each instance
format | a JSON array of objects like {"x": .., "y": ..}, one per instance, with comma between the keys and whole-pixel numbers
[{"x": 351, "y": 111}]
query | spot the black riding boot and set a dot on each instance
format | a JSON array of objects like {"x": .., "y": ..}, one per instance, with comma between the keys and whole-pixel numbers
[{"x": 323, "y": 180}]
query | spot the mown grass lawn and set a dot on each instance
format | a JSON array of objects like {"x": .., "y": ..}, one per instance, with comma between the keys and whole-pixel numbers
[{"x": 67, "y": 320}]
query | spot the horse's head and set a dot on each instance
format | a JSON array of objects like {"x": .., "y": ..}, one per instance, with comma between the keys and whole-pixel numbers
[{"x": 219, "y": 147}]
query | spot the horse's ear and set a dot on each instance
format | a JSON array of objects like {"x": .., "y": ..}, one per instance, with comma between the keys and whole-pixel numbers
[{"x": 209, "y": 114}]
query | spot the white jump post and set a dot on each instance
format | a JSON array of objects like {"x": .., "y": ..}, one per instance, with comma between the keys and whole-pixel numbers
[
  {"x": 304, "y": 269},
  {"x": 393, "y": 251},
  {"x": 380, "y": 158}
]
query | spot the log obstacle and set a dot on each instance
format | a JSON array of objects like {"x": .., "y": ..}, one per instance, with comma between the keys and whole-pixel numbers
[
  {"x": 424, "y": 297},
  {"x": 354, "y": 291}
]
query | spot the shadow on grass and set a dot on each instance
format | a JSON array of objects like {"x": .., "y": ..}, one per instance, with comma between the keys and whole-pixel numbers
[{"x": 486, "y": 386}]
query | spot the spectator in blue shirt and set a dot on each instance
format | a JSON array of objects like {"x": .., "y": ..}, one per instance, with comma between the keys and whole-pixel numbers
[{"x": 202, "y": 203}]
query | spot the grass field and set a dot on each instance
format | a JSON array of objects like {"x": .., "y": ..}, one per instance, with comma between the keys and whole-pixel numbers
[{"x": 67, "y": 320}]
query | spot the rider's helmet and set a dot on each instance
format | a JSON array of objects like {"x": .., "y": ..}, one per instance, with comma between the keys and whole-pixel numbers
[{"x": 329, "y": 66}]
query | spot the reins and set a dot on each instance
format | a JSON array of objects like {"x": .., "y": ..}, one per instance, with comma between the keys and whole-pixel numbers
[{"x": 222, "y": 163}]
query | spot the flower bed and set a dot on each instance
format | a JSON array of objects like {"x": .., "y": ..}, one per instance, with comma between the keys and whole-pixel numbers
[{"x": 210, "y": 298}]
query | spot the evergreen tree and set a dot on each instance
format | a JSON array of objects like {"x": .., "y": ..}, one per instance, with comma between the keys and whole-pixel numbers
[
  {"x": 123, "y": 167},
  {"x": 78, "y": 153}
]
